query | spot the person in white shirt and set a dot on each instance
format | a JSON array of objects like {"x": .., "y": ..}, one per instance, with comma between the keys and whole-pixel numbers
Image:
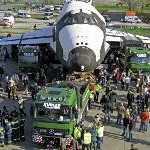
[
  {"x": 127, "y": 82},
  {"x": 100, "y": 134}
]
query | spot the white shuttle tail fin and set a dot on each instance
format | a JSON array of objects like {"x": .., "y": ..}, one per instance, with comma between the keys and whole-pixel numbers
[
  {"x": 67, "y": 1},
  {"x": 89, "y": 1}
]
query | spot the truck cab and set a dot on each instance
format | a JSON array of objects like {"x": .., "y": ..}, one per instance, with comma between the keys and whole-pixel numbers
[
  {"x": 137, "y": 61},
  {"x": 58, "y": 108},
  {"x": 28, "y": 59}
]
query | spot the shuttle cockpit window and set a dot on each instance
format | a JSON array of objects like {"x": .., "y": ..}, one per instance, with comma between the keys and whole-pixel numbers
[
  {"x": 71, "y": 19},
  {"x": 80, "y": 18}
]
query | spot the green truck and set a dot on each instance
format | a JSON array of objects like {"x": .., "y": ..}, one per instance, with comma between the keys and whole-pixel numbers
[
  {"x": 58, "y": 108},
  {"x": 137, "y": 61},
  {"x": 28, "y": 59}
]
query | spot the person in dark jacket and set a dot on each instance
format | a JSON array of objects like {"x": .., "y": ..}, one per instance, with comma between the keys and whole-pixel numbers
[
  {"x": 15, "y": 129},
  {"x": 107, "y": 109},
  {"x": 146, "y": 97},
  {"x": 140, "y": 103},
  {"x": 8, "y": 132},
  {"x": 125, "y": 123},
  {"x": 34, "y": 90},
  {"x": 1, "y": 72},
  {"x": 104, "y": 99},
  {"x": 130, "y": 128},
  {"x": 134, "y": 114},
  {"x": 130, "y": 98},
  {"x": 93, "y": 137},
  {"x": 22, "y": 126}
]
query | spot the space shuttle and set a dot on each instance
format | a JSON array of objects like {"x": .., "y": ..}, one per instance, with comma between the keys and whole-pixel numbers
[{"x": 80, "y": 36}]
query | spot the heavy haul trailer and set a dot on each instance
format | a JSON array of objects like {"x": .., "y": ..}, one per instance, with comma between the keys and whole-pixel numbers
[{"x": 58, "y": 108}]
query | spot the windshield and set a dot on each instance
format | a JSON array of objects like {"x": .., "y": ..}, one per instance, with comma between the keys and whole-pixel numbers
[
  {"x": 140, "y": 60},
  {"x": 28, "y": 57},
  {"x": 7, "y": 14},
  {"x": 47, "y": 14},
  {"x": 80, "y": 18},
  {"x": 53, "y": 114}
]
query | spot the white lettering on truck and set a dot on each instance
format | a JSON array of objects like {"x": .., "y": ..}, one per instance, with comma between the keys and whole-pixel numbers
[{"x": 51, "y": 106}]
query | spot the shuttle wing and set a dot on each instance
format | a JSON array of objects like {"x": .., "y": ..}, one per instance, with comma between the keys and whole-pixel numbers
[
  {"x": 45, "y": 36},
  {"x": 42, "y": 36}
]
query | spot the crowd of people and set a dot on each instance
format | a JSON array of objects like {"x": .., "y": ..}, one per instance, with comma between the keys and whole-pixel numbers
[
  {"x": 90, "y": 138},
  {"x": 12, "y": 125},
  {"x": 135, "y": 105},
  {"x": 12, "y": 118}
]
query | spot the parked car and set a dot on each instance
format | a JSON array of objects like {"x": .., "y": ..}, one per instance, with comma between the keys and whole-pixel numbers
[
  {"x": 9, "y": 17},
  {"x": 57, "y": 7},
  {"x": 132, "y": 19},
  {"x": 23, "y": 14},
  {"x": 48, "y": 15},
  {"x": 52, "y": 7},
  {"x": 5, "y": 22}
]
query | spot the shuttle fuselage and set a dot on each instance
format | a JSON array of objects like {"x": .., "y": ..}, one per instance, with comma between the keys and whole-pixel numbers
[{"x": 80, "y": 36}]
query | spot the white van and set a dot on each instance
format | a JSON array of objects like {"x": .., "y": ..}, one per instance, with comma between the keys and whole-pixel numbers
[
  {"x": 132, "y": 19},
  {"x": 23, "y": 14},
  {"x": 10, "y": 18}
]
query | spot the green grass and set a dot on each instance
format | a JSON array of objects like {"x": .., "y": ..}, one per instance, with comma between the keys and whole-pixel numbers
[
  {"x": 6, "y": 30},
  {"x": 19, "y": 21},
  {"x": 137, "y": 31},
  {"x": 37, "y": 16},
  {"x": 14, "y": 31},
  {"x": 114, "y": 8}
]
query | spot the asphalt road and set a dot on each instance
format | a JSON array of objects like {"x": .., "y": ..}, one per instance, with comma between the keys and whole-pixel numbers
[
  {"x": 138, "y": 25},
  {"x": 112, "y": 138}
]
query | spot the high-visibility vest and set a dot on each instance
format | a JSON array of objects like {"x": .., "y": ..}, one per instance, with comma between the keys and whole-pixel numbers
[
  {"x": 91, "y": 95},
  {"x": 20, "y": 103},
  {"x": 87, "y": 138},
  {"x": 1, "y": 132},
  {"x": 98, "y": 88},
  {"x": 77, "y": 133}
]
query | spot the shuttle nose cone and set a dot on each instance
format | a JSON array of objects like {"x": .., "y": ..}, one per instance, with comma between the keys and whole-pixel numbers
[{"x": 82, "y": 56}]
